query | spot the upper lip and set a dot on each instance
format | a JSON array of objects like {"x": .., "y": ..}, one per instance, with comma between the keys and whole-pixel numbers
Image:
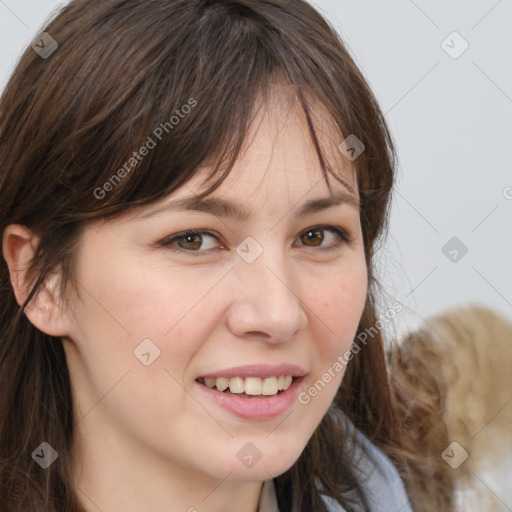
[{"x": 258, "y": 370}]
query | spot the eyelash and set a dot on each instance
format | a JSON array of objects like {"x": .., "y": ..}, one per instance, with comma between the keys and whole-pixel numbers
[{"x": 344, "y": 235}]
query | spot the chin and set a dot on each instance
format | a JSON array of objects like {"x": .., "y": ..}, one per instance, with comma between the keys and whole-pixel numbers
[
  {"x": 269, "y": 465},
  {"x": 257, "y": 473}
]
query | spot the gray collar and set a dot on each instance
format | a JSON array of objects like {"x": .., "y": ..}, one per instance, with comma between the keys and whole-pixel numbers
[
  {"x": 268, "y": 499},
  {"x": 382, "y": 485}
]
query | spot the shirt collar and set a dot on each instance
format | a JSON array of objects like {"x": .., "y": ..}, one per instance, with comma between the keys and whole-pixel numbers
[{"x": 268, "y": 498}]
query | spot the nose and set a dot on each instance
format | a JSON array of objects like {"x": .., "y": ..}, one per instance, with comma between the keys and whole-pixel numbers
[{"x": 266, "y": 300}]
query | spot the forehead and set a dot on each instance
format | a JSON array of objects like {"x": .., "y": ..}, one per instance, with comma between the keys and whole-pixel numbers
[
  {"x": 278, "y": 167},
  {"x": 279, "y": 145}
]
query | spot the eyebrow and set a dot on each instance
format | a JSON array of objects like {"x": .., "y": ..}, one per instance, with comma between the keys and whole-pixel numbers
[{"x": 227, "y": 209}]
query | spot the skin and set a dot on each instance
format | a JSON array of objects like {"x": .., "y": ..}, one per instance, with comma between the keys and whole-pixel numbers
[{"x": 146, "y": 437}]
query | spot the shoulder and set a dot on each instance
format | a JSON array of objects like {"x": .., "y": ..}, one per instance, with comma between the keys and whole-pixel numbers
[{"x": 383, "y": 487}]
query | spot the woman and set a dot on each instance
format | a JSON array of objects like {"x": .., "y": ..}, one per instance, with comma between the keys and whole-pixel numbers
[{"x": 183, "y": 281}]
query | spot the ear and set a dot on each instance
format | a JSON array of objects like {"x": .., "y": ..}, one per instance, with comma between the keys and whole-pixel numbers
[{"x": 45, "y": 310}]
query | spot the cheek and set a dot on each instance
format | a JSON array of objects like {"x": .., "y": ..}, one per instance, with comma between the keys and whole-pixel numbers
[
  {"x": 339, "y": 306},
  {"x": 131, "y": 313},
  {"x": 339, "y": 310},
  {"x": 141, "y": 302},
  {"x": 125, "y": 314}
]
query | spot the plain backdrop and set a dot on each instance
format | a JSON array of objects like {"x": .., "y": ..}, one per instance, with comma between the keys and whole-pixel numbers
[{"x": 442, "y": 74}]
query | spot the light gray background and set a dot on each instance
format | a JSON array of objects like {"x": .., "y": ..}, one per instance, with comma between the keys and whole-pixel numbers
[{"x": 451, "y": 119}]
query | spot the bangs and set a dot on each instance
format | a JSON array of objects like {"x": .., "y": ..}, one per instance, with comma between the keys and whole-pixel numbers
[
  {"x": 191, "y": 103},
  {"x": 142, "y": 94}
]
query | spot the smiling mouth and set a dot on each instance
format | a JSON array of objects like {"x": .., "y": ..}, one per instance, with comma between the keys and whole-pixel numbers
[{"x": 249, "y": 387}]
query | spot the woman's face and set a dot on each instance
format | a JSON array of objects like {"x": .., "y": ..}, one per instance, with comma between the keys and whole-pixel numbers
[{"x": 248, "y": 303}]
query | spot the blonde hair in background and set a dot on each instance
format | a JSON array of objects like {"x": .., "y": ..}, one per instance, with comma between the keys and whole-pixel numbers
[{"x": 460, "y": 363}]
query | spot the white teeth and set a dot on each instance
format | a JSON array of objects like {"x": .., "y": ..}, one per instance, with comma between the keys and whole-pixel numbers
[
  {"x": 222, "y": 383},
  {"x": 268, "y": 386},
  {"x": 253, "y": 386},
  {"x": 236, "y": 385}
]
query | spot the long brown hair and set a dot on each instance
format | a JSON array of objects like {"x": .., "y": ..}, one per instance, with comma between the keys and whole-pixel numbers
[{"x": 72, "y": 119}]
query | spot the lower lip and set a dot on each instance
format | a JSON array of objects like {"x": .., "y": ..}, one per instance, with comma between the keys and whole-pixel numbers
[{"x": 255, "y": 408}]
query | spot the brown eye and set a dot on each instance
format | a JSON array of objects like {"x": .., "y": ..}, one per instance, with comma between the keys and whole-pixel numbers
[
  {"x": 192, "y": 241},
  {"x": 188, "y": 242},
  {"x": 316, "y": 237}
]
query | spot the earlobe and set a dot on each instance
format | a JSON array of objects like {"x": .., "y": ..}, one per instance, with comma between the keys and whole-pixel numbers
[{"x": 44, "y": 311}]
